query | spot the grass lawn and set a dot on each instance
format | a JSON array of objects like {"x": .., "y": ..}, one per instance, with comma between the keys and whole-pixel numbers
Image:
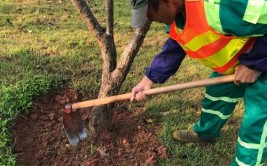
[{"x": 44, "y": 44}]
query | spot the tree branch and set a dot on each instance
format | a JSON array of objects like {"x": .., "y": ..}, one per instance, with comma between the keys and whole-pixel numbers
[
  {"x": 131, "y": 50},
  {"x": 111, "y": 56},
  {"x": 105, "y": 40},
  {"x": 110, "y": 18},
  {"x": 89, "y": 18}
]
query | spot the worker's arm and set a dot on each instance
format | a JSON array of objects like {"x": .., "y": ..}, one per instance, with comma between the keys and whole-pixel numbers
[
  {"x": 164, "y": 65},
  {"x": 252, "y": 63},
  {"x": 256, "y": 59}
]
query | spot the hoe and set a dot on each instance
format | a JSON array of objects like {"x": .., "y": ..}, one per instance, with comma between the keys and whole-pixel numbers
[{"x": 75, "y": 128}]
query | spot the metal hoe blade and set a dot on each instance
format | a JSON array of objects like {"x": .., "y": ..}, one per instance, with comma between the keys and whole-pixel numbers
[{"x": 74, "y": 127}]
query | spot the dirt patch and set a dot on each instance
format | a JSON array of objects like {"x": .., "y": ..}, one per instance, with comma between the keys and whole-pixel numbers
[{"x": 39, "y": 137}]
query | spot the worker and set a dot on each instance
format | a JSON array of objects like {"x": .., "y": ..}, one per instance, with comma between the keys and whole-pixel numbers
[{"x": 228, "y": 36}]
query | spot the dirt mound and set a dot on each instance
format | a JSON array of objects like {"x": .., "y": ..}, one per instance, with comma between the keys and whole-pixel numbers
[{"x": 39, "y": 137}]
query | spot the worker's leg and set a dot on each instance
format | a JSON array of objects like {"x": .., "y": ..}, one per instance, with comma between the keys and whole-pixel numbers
[
  {"x": 252, "y": 139},
  {"x": 218, "y": 105}
]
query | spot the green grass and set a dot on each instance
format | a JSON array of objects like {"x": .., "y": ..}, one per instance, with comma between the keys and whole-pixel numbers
[{"x": 45, "y": 44}]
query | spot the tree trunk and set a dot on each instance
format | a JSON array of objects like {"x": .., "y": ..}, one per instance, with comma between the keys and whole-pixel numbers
[{"x": 113, "y": 74}]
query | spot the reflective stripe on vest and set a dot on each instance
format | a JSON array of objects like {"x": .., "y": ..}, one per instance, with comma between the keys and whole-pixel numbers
[{"x": 204, "y": 44}]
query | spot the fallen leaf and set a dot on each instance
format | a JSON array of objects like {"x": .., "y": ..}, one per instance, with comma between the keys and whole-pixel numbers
[
  {"x": 102, "y": 152},
  {"x": 125, "y": 142},
  {"x": 149, "y": 135},
  {"x": 151, "y": 160},
  {"x": 198, "y": 112},
  {"x": 149, "y": 120},
  {"x": 162, "y": 152}
]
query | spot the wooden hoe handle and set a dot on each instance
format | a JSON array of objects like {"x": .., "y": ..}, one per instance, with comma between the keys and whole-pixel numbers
[{"x": 154, "y": 91}]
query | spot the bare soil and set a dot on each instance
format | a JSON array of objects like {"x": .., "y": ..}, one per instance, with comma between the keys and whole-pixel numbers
[{"x": 39, "y": 137}]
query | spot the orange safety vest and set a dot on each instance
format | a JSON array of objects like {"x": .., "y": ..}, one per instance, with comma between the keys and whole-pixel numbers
[{"x": 206, "y": 45}]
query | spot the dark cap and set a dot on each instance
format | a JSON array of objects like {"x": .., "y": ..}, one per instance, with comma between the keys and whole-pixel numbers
[{"x": 139, "y": 12}]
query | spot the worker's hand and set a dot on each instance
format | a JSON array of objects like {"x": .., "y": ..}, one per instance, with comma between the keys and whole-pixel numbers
[
  {"x": 243, "y": 74},
  {"x": 137, "y": 91}
]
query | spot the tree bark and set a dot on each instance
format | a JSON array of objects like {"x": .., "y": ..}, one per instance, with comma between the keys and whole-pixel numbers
[{"x": 113, "y": 74}]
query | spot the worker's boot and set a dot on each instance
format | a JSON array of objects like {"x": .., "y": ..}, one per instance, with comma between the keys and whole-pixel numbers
[{"x": 189, "y": 136}]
